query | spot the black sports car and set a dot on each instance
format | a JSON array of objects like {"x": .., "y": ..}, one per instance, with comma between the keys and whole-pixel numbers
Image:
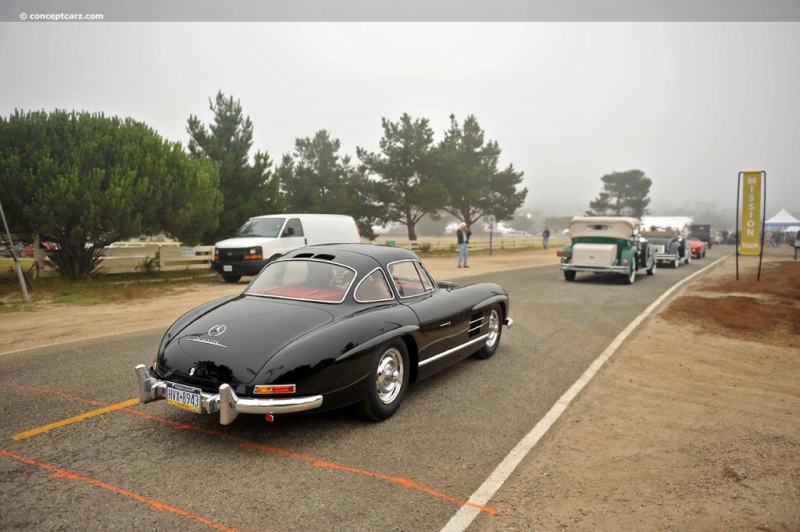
[{"x": 324, "y": 327}]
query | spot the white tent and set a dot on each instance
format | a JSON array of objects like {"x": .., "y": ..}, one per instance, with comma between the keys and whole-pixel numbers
[{"x": 782, "y": 219}]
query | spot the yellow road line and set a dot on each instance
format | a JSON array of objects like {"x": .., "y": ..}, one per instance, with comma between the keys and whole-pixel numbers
[{"x": 76, "y": 419}]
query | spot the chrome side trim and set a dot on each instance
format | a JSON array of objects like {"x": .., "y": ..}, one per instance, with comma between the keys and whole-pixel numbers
[{"x": 453, "y": 350}]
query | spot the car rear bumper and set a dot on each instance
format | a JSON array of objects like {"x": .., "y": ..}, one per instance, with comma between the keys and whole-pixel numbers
[
  {"x": 564, "y": 267},
  {"x": 226, "y": 402}
]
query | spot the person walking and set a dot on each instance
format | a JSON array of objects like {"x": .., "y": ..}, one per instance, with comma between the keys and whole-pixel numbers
[
  {"x": 546, "y": 237},
  {"x": 796, "y": 245},
  {"x": 463, "y": 235}
]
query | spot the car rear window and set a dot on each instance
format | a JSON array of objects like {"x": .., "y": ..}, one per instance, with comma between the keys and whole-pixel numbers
[{"x": 311, "y": 280}]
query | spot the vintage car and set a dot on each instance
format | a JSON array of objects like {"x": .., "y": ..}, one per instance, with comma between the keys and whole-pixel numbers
[
  {"x": 698, "y": 247},
  {"x": 321, "y": 328},
  {"x": 701, "y": 232},
  {"x": 669, "y": 246},
  {"x": 606, "y": 244}
]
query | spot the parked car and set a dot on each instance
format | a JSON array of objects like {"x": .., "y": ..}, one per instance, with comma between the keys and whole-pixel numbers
[
  {"x": 606, "y": 245},
  {"x": 263, "y": 239},
  {"x": 698, "y": 248},
  {"x": 321, "y": 328},
  {"x": 21, "y": 249},
  {"x": 669, "y": 246}
]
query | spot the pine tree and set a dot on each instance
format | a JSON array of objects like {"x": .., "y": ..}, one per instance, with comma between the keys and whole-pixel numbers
[{"x": 248, "y": 187}]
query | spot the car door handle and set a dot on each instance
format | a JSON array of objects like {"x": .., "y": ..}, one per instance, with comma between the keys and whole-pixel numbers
[{"x": 444, "y": 324}]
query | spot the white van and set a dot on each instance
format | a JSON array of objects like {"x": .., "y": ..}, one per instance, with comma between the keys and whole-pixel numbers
[{"x": 265, "y": 238}]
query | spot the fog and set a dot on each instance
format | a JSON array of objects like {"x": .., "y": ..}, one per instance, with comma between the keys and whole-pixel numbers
[{"x": 691, "y": 104}]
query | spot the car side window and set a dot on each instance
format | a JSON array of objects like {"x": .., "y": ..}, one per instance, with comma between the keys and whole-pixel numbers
[
  {"x": 373, "y": 288},
  {"x": 427, "y": 282},
  {"x": 407, "y": 280},
  {"x": 294, "y": 227}
]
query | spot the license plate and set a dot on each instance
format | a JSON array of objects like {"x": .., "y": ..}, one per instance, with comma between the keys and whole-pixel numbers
[
  {"x": 227, "y": 268},
  {"x": 184, "y": 397}
]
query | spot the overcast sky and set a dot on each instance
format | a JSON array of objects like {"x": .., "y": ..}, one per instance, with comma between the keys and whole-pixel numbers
[{"x": 690, "y": 104}]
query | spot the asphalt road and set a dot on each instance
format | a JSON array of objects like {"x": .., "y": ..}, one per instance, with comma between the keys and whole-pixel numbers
[{"x": 69, "y": 462}]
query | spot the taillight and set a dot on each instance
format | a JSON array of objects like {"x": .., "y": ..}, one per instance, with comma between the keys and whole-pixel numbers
[{"x": 275, "y": 389}]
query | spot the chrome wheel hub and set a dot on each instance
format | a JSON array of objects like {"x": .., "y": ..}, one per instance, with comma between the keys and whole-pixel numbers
[{"x": 389, "y": 376}]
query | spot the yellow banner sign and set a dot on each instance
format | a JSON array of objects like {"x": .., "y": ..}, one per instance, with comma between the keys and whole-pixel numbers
[{"x": 750, "y": 231}]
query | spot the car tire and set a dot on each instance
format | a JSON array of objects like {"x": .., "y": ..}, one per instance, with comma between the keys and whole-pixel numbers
[
  {"x": 495, "y": 331},
  {"x": 569, "y": 275},
  {"x": 688, "y": 259},
  {"x": 652, "y": 269},
  {"x": 677, "y": 260},
  {"x": 231, "y": 278},
  {"x": 387, "y": 382},
  {"x": 631, "y": 276}
]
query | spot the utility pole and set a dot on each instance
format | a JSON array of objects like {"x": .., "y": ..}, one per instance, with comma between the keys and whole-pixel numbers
[{"x": 14, "y": 256}]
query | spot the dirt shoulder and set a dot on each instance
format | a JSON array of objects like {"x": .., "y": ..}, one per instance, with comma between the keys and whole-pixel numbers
[
  {"x": 49, "y": 324},
  {"x": 683, "y": 429}
]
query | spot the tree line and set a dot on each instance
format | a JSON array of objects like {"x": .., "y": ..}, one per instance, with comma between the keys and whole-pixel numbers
[{"x": 85, "y": 180}]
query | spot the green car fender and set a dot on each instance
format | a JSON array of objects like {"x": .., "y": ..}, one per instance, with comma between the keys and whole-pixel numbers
[{"x": 627, "y": 254}]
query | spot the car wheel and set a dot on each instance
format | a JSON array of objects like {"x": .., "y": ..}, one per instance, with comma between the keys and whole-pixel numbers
[
  {"x": 631, "y": 275},
  {"x": 388, "y": 381},
  {"x": 231, "y": 278},
  {"x": 677, "y": 261},
  {"x": 704, "y": 253},
  {"x": 652, "y": 269},
  {"x": 495, "y": 330},
  {"x": 688, "y": 259},
  {"x": 569, "y": 275}
]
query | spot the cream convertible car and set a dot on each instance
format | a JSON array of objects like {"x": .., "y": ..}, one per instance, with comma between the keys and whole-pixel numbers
[{"x": 606, "y": 245}]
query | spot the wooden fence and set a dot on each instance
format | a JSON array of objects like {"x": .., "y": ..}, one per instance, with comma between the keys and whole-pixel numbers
[
  {"x": 129, "y": 257},
  {"x": 126, "y": 257},
  {"x": 133, "y": 257},
  {"x": 449, "y": 243}
]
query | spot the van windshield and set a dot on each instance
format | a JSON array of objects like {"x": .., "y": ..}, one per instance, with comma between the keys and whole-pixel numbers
[{"x": 262, "y": 227}]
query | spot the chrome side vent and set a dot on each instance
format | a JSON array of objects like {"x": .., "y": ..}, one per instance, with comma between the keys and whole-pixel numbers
[{"x": 475, "y": 324}]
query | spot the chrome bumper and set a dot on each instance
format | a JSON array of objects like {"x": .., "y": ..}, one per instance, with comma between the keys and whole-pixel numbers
[
  {"x": 597, "y": 269},
  {"x": 226, "y": 402}
]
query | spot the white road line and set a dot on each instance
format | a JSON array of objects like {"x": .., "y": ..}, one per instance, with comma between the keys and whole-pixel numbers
[{"x": 464, "y": 517}]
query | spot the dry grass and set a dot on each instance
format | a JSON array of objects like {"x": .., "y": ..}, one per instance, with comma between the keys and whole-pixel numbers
[
  {"x": 103, "y": 289},
  {"x": 765, "y": 311}
]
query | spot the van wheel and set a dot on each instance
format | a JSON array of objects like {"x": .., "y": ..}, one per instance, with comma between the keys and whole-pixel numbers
[
  {"x": 231, "y": 278},
  {"x": 569, "y": 275}
]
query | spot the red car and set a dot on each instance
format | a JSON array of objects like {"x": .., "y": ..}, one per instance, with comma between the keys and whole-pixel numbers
[{"x": 698, "y": 248}]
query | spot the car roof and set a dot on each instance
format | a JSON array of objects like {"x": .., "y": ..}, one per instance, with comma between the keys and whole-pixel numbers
[
  {"x": 589, "y": 226},
  {"x": 362, "y": 257}
]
